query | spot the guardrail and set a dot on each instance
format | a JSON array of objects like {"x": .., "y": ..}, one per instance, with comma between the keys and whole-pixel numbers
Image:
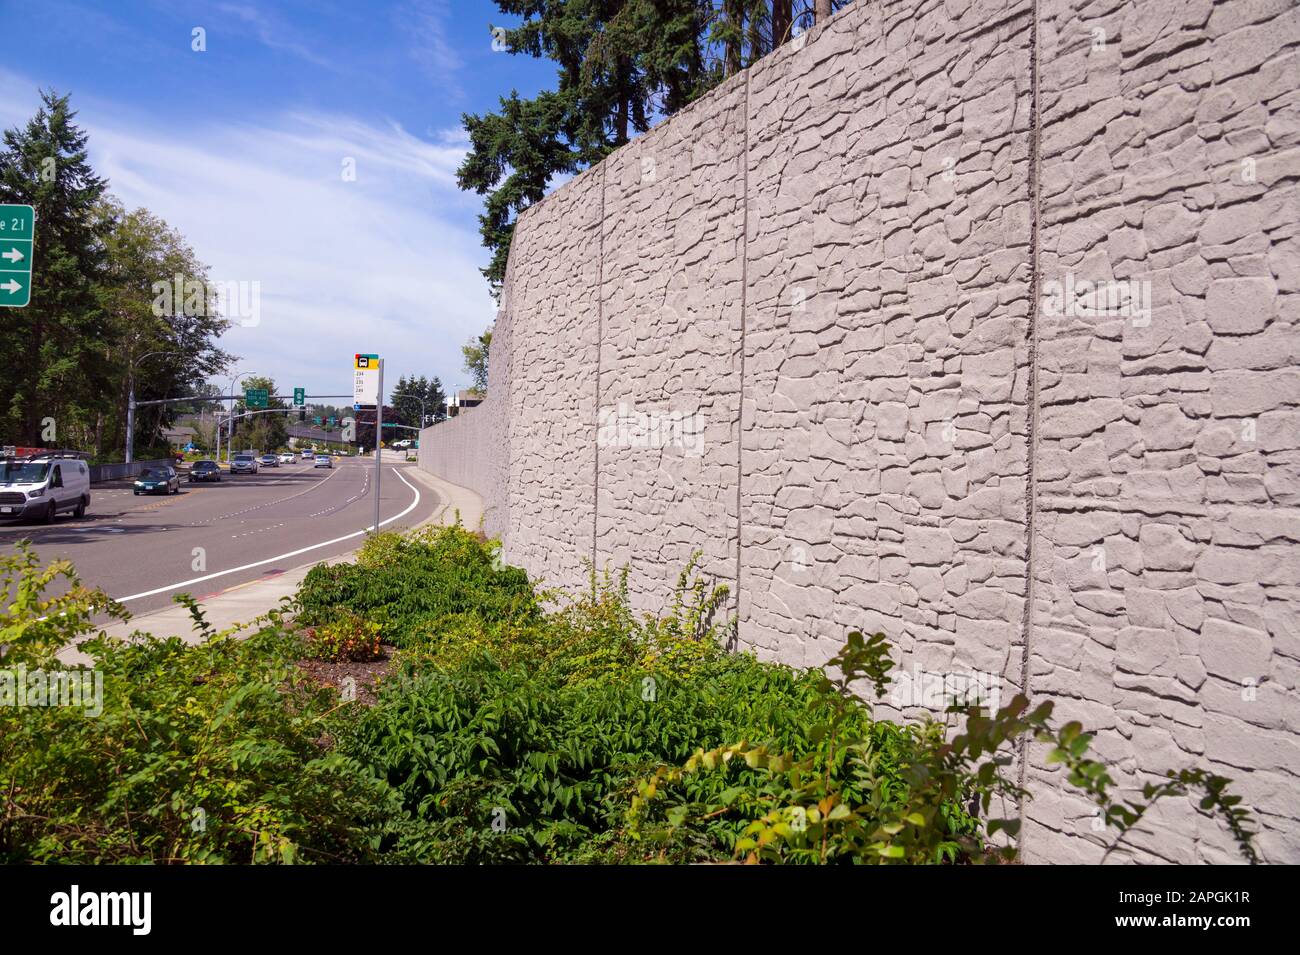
[{"x": 99, "y": 473}]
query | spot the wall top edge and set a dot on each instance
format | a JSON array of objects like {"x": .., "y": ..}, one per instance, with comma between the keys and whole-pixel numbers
[{"x": 720, "y": 91}]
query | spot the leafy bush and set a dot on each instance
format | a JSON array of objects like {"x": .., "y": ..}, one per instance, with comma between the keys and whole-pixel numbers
[
  {"x": 348, "y": 637},
  {"x": 419, "y": 586},
  {"x": 208, "y": 753},
  {"x": 33, "y": 627},
  {"x": 799, "y": 810},
  {"x": 498, "y": 764}
]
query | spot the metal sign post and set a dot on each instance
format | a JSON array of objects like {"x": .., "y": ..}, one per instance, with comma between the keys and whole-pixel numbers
[{"x": 379, "y": 429}]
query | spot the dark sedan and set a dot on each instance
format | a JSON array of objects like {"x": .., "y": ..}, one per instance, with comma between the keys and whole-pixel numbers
[
  {"x": 157, "y": 481},
  {"x": 205, "y": 471}
]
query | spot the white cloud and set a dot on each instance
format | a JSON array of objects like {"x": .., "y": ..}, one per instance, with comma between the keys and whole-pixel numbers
[
  {"x": 425, "y": 22},
  {"x": 387, "y": 263},
  {"x": 272, "y": 33}
]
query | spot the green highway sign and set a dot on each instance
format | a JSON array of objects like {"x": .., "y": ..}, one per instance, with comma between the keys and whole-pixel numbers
[
  {"x": 299, "y": 397},
  {"x": 316, "y": 420},
  {"x": 331, "y": 422},
  {"x": 17, "y": 233},
  {"x": 256, "y": 397}
]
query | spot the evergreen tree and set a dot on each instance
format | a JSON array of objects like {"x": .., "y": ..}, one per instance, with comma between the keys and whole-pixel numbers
[
  {"x": 620, "y": 63},
  {"x": 56, "y": 363}
]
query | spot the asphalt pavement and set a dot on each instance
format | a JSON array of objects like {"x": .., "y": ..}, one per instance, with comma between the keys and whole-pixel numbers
[{"x": 214, "y": 536}]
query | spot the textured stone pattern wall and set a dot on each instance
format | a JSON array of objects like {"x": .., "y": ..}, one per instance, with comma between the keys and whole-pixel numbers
[
  {"x": 460, "y": 450},
  {"x": 885, "y": 456},
  {"x": 1168, "y": 440},
  {"x": 1012, "y": 379},
  {"x": 553, "y": 304},
  {"x": 670, "y": 348}
]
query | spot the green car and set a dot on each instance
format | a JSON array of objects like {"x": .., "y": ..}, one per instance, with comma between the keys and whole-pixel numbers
[{"x": 157, "y": 481}]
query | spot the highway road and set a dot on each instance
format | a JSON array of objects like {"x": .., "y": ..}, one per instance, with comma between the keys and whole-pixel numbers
[{"x": 214, "y": 536}]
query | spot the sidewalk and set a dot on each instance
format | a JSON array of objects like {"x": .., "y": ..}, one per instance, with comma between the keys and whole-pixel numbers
[{"x": 242, "y": 603}]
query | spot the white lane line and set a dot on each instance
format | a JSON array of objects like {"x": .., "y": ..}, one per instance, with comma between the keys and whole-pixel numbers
[
  {"x": 271, "y": 560},
  {"x": 257, "y": 507}
]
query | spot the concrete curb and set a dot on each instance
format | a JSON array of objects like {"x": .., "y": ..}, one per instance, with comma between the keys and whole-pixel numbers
[{"x": 241, "y": 604}]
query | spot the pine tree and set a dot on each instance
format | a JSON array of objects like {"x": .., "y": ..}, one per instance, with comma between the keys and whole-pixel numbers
[
  {"x": 56, "y": 360},
  {"x": 620, "y": 63}
]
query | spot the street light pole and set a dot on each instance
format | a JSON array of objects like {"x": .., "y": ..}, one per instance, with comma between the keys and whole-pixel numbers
[
  {"x": 130, "y": 400},
  {"x": 130, "y": 414},
  {"x": 230, "y": 418}
]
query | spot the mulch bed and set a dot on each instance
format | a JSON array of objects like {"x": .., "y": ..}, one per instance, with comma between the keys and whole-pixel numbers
[{"x": 366, "y": 675}]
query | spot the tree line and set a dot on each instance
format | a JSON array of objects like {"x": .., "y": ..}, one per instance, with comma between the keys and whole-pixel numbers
[
  {"x": 96, "y": 318},
  {"x": 621, "y": 66}
]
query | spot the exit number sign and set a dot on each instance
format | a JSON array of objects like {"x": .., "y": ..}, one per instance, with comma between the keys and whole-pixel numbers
[{"x": 17, "y": 234}]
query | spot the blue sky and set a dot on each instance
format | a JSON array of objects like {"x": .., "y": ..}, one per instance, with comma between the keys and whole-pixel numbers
[{"x": 243, "y": 148}]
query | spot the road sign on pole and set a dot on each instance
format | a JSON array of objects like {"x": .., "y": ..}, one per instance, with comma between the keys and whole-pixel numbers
[
  {"x": 17, "y": 234},
  {"x": 299, "y": 397},
  {"x": 379, "y": 430},
  {"x": 365, "y": 381},
  {"x": 256, "y": 397}
]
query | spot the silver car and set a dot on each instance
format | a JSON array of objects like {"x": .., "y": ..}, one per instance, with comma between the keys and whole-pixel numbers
[
  {"x": 323, "y": 461},
  {"x": 243, "y": 464}
]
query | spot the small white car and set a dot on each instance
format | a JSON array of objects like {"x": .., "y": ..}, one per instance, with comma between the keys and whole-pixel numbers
[
  {"x": 287, "y": 459},
  {"x": 39, "y": 486},
  {"x": 323, "y": 461}
]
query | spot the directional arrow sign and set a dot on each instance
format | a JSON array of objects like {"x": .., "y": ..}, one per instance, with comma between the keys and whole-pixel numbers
[
  {"x": 17, "y": 233},
  {"x": 256, "y": 397}
]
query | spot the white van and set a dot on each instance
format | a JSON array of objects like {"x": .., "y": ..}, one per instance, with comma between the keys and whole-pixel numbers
[{"x": 39, "y": 486}]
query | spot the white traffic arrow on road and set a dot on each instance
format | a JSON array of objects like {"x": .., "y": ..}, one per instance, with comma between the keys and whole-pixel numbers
[
  {"x": 13, "y": 255},
  {"x": 10, "y": 286}
]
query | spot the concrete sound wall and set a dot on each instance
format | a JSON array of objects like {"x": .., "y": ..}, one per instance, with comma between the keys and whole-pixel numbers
[{"x": 971, "y": 322}]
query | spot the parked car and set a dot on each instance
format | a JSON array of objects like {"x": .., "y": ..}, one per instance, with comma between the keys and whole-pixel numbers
[
  {"x": 287, "y": 458},
  {"x": 243, "y": 464},
  {"x": 205, "y": 471},
  {"x": 41, "y": 485},
  {"x": 323, "y": 461},
  {"x": 163, "y": 480}
]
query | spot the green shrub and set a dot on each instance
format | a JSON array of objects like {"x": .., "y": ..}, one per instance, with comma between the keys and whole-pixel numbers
[
  {"x": 499, "y": 764},
  {"x": 417, "y": 586},
  {"x": 874, "y": 806},
  {"x": 209, "y": 753},
  {"x": 347, "y": 637}
]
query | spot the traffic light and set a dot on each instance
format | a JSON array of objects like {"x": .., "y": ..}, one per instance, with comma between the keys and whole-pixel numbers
[{"x": 302, "y": 414}]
